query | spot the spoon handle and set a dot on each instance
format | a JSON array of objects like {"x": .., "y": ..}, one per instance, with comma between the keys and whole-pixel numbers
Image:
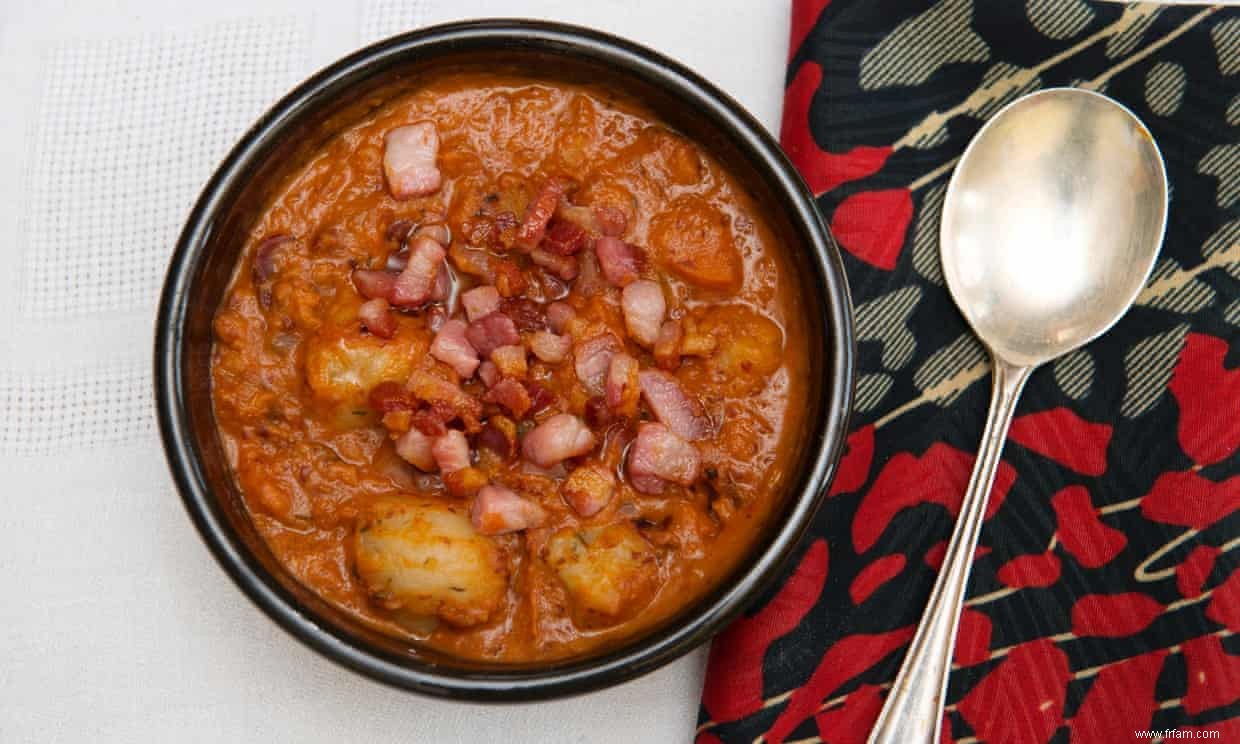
[{"x": 913, "y": 712}]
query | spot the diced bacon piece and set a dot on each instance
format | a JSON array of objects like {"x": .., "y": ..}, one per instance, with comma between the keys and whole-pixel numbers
[
  {"x": 590, "y": 280},
  {"x": 435, "y": 318},
  {"x": 651, "y": 484},
  {"x": 488, "y": 373},
  {"x": 620, "y": 262},
  {"x": 465, "y": 482},
  {"x": 549, "y": 347},
  {"x": 565, "y": 267},
  {"x": 540, "y": 397},
  {"x": 644, "y": 310},
  {"x": 558, "y": 438},
  {"x": 439, "y": 232},
  {"x": 391, "y": 396},
  {"x": 498, "y": 511},
  {"x": 564, "y": 238},
  {"x": 399, "y": 230},
  {"x": 476, "y": 263},
  {"x": 588, "y": 489},
  {"x": 592, "y": 358},
  {"x": 553, "y": 287},
  {"x": 667, "y": 345},
  {"x": 451, "y": 451},
  {"x": 601, "y": 220},
  {"x": 558, "y": 315},
  {"x": 500, "y": 436},
  {"x": 510, "y": 360},
  {"x": 441, "y": 290},
  {"x": 539, "y": 213},
  {"x": 480, "y": 230},
  {"x": 622, "y": 384},
  {"x": 377, "y": 317},
  {"x": 397, "y": 422},
  {"x": 658, "y": 455},
  {"x": 480, "y": 302},
  {"x": 680, "y": 413},
  {"x": 397, "y": 262},
  {"x": 492, "y": 331},
  {"x": 416, "y": 282},
  {"x": 612, "y": 221},
  {"x": 409, "y": 155},
  {"x": 509, "y": 279},
  {"x": 526, "y": 314},
  {"x": 453, "y": 349},
  {"x": 414, "y": 447},
  {"x": 505, "y": 275},
  {"x": 432, "y": 421},
  {"x": 510, "y": 394},
  {"x": 374, "y": 284},
  {"x": 447, "y": 398}
]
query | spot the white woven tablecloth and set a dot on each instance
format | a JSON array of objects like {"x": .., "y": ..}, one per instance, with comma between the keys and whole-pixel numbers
[{"x": 115, "y": 623}]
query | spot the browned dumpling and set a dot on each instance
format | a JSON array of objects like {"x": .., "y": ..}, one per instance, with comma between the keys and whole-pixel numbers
[
  {"x": 424, "y": 558},
  {"x": 609, "y": 570}
]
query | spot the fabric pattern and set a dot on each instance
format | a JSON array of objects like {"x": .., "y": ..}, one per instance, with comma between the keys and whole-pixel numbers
[
  {"x": 126, "y": 127},
  {"x": 1105, "y": 595}
]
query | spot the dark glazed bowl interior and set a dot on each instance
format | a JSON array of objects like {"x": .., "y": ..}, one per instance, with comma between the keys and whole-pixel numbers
[{"x": 338, "y": 96}]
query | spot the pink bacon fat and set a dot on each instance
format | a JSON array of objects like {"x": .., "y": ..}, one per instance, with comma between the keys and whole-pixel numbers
[
  {"x": 409, "y": 160},
  {"x": 453, "y": 349},
  {"x": 416, "y": 282},
  {"x": 644, "y": 309},
  {"x": 558, "y": 438},
  {"x": 620, "y": 262},
  {"x": 675, "y": 410},
  {"x": 451, "y": 451},
  {"x": 658, "y": 456},
  {"x": 498, "y": 511}
]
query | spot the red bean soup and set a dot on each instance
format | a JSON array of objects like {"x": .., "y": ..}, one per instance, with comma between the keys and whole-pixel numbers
[{"x": 510, "y": 369}]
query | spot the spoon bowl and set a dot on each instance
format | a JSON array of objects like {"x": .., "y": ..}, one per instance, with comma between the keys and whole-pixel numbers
[
  {"x": 1052, "y": 221},
  {"x": 1051, "y": 225}
]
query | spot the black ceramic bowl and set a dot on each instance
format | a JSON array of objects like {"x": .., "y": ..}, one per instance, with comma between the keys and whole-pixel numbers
[{"x": 216, "y": 231}]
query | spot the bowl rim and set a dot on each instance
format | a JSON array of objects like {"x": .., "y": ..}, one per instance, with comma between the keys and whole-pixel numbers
[{"x": 521, "y": 683}]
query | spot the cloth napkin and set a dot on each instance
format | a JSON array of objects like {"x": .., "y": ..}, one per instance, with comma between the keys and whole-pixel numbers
[{"x": 1105, "y": 596}]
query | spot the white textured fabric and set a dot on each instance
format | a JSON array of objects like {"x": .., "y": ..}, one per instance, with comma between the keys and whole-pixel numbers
[{"x": 115, "y": 623}]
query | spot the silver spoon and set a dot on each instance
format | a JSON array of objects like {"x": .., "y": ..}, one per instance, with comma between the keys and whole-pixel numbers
[{"x": 1051, "y": 225}]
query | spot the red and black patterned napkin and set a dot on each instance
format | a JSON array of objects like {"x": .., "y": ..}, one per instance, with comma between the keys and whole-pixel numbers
[{"x": 1105, "y": 598}]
